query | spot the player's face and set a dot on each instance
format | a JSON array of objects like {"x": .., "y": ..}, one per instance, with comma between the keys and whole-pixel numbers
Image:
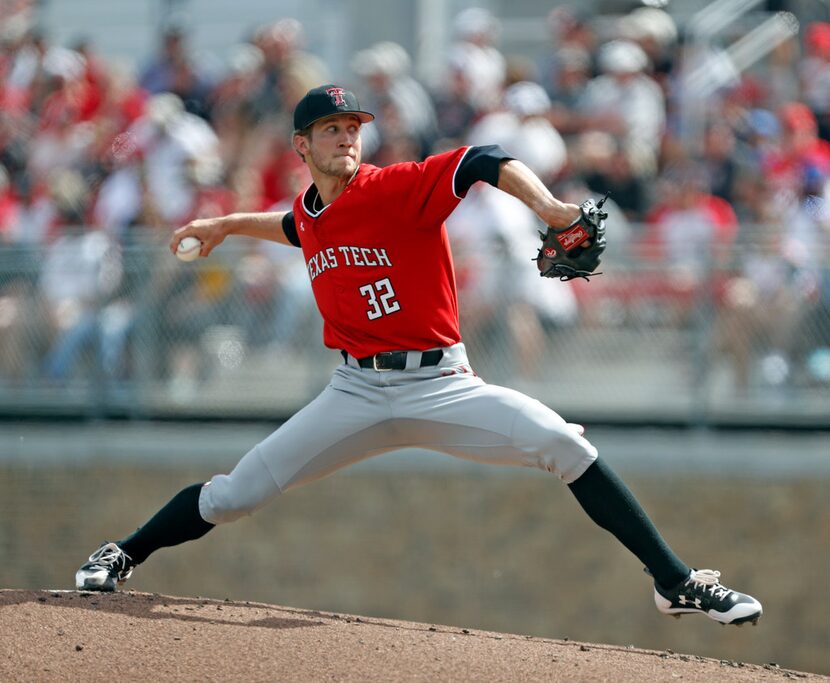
[{"x": 334, "y": 146}]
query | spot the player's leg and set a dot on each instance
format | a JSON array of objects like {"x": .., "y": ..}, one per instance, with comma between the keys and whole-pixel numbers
[
  {"x": 178, "y": 521},
  {"x": 113, "y": 562},
  {"x": 677, "y": 588},
  {"x": 492, "y": 424},
  {"x": 347, "y": 422}
]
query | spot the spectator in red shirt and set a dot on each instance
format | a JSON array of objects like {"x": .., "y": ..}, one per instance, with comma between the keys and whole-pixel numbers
[
  {"x": 691, "y": 226},
  {"x": 800, "y": 149},
  {"x": 277, "y": 172}
]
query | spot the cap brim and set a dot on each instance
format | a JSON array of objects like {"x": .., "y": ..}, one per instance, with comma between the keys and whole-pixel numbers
[{"x": 364, "y": 116}]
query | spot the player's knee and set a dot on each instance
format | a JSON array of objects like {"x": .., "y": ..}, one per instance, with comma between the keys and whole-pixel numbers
[
  {"x": 228, "y": 497},
  {"x": 222, "y": 500},
  {"x": 555, "y": 446},
  {"x": 566, "y": 457}
]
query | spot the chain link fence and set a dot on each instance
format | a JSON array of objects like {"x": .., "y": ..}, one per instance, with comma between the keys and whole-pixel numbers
[{"x": 91, "y": 328}]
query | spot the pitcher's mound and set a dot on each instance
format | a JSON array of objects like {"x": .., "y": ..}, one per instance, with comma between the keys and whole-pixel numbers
[{"x": 66, "y": 635}]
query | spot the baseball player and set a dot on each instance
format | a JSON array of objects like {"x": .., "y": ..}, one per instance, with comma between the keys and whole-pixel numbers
[{"x": 380, "y": 268}]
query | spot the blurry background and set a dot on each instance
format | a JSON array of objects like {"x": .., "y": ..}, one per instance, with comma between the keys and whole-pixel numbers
[{"x": 124, "y": 373}]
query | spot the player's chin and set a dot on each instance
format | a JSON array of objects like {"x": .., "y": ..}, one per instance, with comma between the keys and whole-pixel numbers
[
  {"x": 350, "y": 163},
  {"x": 343, "y": 169}
]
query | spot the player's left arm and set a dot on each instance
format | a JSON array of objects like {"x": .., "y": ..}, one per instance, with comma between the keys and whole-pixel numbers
[
  {"x": 575, "y": 237},
  {"x": 492, "y": 165},
  {"x": 517, "y": 179}
]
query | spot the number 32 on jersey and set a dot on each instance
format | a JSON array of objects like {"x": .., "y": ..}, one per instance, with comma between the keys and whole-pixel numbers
[{"x": 381, "y": 298}]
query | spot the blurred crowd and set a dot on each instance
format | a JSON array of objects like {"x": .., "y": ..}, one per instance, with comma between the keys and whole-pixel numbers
[{"x": 97, "y": 156}]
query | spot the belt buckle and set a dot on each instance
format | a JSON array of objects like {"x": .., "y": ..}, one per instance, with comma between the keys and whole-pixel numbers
[{"x": 375, "y": 361}]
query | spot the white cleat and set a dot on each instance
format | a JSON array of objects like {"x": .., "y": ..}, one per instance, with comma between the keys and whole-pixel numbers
[
  {"x": 107, "y": 569},
  {"x": 702, "y": 593}
]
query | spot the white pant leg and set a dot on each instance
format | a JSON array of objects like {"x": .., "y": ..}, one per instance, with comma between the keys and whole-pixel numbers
[
  {"x": 347, "y": 422},
  {"x": 364, "y": 413},
  {"x": 455, "y": 412},
  {"x": 227, "y": 497}
]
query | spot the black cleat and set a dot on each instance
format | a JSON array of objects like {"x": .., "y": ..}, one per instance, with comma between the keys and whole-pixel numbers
[
  {"x": 107, "y": 569},
  {"x": 703, "y": 593}
]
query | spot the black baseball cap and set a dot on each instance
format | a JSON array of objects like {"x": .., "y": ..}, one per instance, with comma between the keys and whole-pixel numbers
[{"x": 327, "y": 100}]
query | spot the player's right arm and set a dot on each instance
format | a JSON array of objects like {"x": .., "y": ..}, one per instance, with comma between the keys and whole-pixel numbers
[{"x": 275, "y": 226}]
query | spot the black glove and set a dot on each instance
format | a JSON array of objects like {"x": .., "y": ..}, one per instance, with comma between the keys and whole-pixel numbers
[{"x": 571, "y": 252}]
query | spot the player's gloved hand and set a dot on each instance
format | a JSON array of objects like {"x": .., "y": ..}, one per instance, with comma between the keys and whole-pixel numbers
[{"x": 574, "y": 251}]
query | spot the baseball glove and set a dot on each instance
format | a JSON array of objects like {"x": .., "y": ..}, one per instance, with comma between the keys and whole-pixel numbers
[{"x": 574, "y": 251}]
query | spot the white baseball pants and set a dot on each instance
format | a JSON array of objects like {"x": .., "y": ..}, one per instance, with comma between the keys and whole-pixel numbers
[{"x": 363, "y": 412}]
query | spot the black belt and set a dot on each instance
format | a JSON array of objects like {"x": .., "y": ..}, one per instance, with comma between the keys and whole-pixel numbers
[{"x": 396, "y": 360}]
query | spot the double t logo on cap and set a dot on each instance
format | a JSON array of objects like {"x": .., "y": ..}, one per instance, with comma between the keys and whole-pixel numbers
[
  {"x": 336, "y": 95},
  {"x": 327, "y": 100}
]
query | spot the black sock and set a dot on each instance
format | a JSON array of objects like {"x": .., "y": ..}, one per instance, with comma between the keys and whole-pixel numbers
[
  {"x": 175, "y": 523},
  {"x": 609, "y": 502}
]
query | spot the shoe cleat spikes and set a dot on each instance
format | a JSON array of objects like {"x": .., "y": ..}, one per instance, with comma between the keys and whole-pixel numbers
[{"x": 702, "y": 593}]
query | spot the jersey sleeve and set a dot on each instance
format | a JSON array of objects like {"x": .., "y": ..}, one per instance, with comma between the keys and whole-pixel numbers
[
  {"x": 426, "y": 190},
  {"x": 479, "y": 163},
  {"x": 289, "y": 227}
]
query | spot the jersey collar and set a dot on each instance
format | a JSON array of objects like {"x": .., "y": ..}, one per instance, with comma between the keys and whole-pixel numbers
[{"x": 311, "y": 197}]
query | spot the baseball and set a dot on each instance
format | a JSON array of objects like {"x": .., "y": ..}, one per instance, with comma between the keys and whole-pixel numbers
[{"x": 188, "y": 249}]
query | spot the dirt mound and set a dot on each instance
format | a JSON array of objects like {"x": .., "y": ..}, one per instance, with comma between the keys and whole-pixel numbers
[{"x": 67, "y": 635}]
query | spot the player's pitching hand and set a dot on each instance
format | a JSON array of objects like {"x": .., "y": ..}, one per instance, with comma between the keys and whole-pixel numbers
[{"x": 210, "y": 232}]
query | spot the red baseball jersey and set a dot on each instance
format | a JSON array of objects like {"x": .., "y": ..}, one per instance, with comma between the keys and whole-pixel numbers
[{"x": 379, "y": 259}]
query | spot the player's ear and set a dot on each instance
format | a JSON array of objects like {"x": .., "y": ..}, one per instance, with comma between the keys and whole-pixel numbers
[{"x": 301, "y": 145}]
